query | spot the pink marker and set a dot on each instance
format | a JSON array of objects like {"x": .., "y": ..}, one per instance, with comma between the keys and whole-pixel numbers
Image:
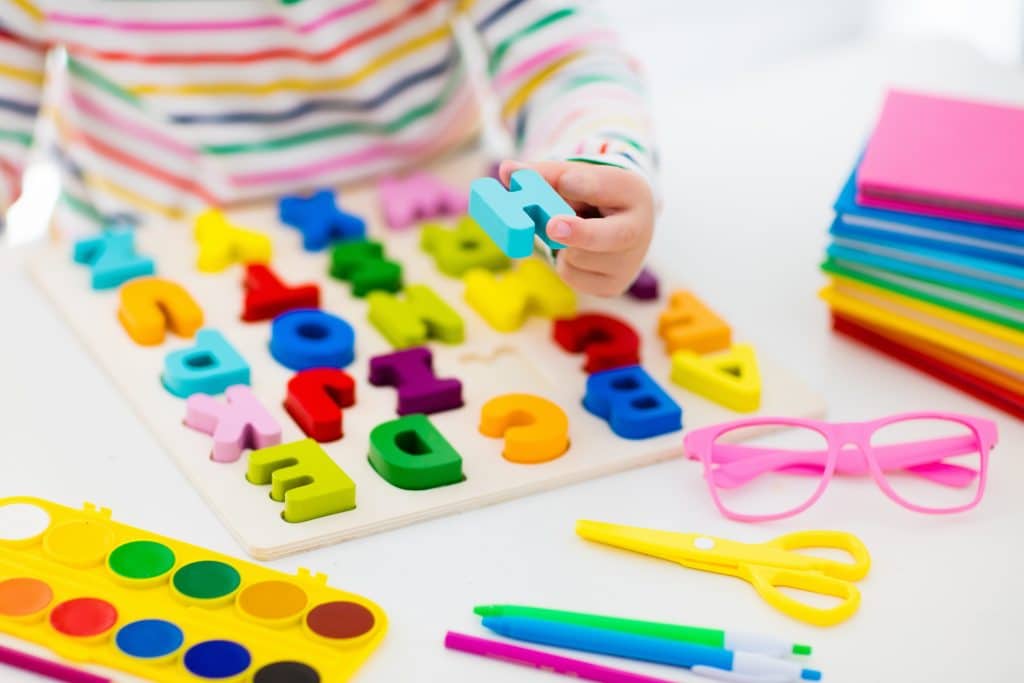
[
  {"x": 47, "y": 668},
  {"x": 566, "y": 666}
]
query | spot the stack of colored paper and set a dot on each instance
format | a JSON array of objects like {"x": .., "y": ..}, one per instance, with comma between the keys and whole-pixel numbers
[{"x": 926, "y": 260}]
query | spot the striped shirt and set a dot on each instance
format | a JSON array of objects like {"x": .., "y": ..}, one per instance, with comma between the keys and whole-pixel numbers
[{"x": 166, "y": 107}]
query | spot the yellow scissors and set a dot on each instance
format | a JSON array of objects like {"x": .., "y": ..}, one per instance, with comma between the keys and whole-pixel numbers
[{"x": 767, "y": 566}]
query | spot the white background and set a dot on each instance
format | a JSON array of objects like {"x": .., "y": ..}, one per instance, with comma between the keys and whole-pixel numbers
[{"x": 751, "y": 168}]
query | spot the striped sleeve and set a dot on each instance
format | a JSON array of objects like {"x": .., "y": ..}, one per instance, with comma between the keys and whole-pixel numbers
[
  {"x": 566, "y": 87},
  {"x": 22, "y": 66}
]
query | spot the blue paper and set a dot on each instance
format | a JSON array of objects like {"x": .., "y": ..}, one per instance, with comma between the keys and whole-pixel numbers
[
  {"x": 935, "y": 266},
  {"x": 972, "y": 239}
]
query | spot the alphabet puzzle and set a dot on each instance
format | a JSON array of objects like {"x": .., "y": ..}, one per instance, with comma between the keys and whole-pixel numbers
[{"x": 321, "y": 378}]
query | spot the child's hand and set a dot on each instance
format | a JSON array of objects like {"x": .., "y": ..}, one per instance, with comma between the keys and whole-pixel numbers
[{"x": 607, "y": 242}]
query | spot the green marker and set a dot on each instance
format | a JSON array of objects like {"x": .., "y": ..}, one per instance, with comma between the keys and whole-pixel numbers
[{"x": 743, "y": 642}]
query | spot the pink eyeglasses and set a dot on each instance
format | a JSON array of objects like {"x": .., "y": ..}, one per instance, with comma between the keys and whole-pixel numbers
[{"x": 768, "y": 468}]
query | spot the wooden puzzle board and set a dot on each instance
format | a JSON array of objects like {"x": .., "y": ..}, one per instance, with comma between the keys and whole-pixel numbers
[{"x": 489, "y": 363}]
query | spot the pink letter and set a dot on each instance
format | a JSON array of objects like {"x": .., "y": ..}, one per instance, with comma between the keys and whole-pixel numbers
[
  {"x": 240, "y": 423},
  {"x": 418, "y": 197}
]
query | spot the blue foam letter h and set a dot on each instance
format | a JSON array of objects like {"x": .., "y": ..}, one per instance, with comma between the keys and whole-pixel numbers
[{"x": 511, "y": 217}]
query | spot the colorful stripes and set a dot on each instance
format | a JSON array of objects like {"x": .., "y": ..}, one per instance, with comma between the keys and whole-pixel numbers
[
  {"x": 82, "y": 207},
  {"x": 134, "y": 199},
  {"x": 87, "y": 106},
  {"x": 496, "y": 14},
  {"x": 551, "y": 54},
  {"x": 606, "y": 159},
  {"x": 78, "y": 69},
  {"x": 167, "y": 108},
  {"x": 622, "y": 137},
  {"x": 8, "y": 37},
  {"x": 28, "y": 8},
  {"x": 24, "y": 75},
  {"x": 375, "y": 128},
  {"x": 301, "y": 175},
  {"x": 258, "y": 22},
  {"x": 597, "y": 161},
  {"x": 372, "y": 66},
  {"x": 334, "y": 15},
  {"x": 447, "y": 63},
  {"x": 126, "y": 160},
  {"x": 16, "y": 136},
  {"x": 147, "y": 169},
  {"x": 12, "y": 177},
  {"x": 516, "y": 101},
  {"x": 92, "y": 21},
  {"x": 499, "y": 52},
  {"x": 372, "y": 153},
  {"x": 21, "y": 108},
  {"x": 372, "y": 128},
  {"x": 583, "y": 113},
  {"x": 192, "y": 57}
]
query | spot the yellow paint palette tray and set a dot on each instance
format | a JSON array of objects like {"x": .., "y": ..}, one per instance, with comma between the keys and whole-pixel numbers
[{"x": 94, "y": 590}]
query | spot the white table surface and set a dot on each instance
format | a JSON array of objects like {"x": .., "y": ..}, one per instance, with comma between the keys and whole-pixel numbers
[{"x": 751, "y": 169}]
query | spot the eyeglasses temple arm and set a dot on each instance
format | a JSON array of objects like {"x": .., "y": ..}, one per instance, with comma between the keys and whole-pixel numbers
[
  {"x": 923, "y": 459},
  {"x": 740, "y": 464}
]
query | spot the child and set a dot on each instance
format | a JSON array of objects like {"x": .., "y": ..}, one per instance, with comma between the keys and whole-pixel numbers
[{"x": 166, "y": 107}]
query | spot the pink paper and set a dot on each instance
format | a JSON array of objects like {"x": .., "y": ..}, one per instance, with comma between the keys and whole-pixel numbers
[{"x": 948, "y": 158}]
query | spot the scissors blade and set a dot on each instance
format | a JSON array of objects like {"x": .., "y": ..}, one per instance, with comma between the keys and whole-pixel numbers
[
  {"x": 667, "y": 545},
  {"x": 696, "y": 551}
]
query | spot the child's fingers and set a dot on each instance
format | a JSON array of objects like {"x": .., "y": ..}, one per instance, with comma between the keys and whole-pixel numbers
[
  {"x": 549, "y": 170},
  {"x": 586, "y": 281},
  {"x": 594, "y": 261},
  {"x": 605, "y": 187},
  {"x": 617, "y": 267},
  {"x": 614, "y": 233}
]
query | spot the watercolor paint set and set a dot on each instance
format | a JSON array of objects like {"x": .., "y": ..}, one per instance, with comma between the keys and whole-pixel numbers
[{"x": 96, "y": 591}]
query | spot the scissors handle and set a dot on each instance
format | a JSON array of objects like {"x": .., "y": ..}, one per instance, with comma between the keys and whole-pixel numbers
[
  {"x": 813, "y": 574},
  {"x": 854, "y": 570},
  {"x": 767, "y": 581}
]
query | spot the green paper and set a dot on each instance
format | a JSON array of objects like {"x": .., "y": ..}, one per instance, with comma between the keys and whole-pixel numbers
[{"x": 993, "y": 308}]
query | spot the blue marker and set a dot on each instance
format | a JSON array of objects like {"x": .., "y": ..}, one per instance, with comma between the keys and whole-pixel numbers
[{"x": 701, "y": 659}]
